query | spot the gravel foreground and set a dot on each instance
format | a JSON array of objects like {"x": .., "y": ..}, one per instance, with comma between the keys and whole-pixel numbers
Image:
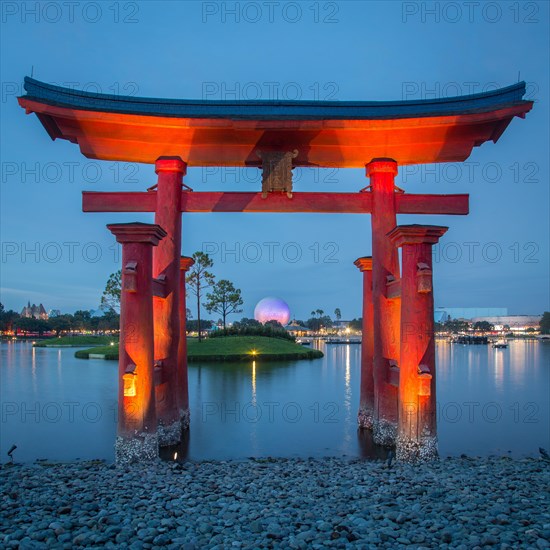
[{"x": 277, "y": 503}]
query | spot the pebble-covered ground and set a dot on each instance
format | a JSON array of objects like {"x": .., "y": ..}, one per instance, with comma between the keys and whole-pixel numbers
[{"x": 453, "y": 503}]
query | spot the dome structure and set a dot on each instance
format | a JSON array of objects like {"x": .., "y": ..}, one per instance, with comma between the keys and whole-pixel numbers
[{"x": 272, "y": 309}]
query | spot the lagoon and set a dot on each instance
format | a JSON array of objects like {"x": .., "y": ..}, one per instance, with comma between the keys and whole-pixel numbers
[{"x": 490, "y": 402}]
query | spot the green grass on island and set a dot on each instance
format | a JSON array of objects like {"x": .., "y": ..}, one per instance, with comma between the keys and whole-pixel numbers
[
  {"x": 77, "y": 341},
  {"x": 235, "y": 348},
  {"x": 228, "y": 348},
  {"x": 101, "y": 352}
]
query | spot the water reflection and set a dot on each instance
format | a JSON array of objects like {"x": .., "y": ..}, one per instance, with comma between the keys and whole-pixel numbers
[
  {"x": 347, "y": 398},
  {"x": 57, "y": 407},
  {"x": 254, "y": 382},
  {"x": 253, "y": 421},
  {"x": 498, "y": 366}
]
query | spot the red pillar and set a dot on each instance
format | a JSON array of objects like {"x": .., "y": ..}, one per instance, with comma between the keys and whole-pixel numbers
[
  {"x": 181, "y": 381},
  {"x": 417, "y": 429},
  {"x": 386, "y": 311},
  {"x": 166, "y": 265},
  {"x": 366, "y": 399},
  {"x": 137, "y": 421}
]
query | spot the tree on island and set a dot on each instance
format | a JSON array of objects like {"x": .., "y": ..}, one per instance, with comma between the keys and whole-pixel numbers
[
  {"x": 199, "y": 279},
  {"x": 111, "y": 295},
  {"x": 337, "y": 313},
  {"x": 251, "y": 327},
  {"x": 224, "y": 299},
  {"x": 545, "y": 323},
  {"x": 245, "y": 322}
]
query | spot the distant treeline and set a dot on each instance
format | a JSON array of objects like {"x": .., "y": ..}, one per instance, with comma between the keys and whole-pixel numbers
[{"x": 11, "y": 321}]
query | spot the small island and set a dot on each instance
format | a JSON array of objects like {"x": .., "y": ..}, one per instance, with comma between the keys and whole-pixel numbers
[
  {"x": 78, "y": 341},
  {"x": 227, "y": 348}
]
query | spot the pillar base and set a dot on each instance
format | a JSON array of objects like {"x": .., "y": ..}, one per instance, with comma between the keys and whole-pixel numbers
[
  {"x": 185, "y": 418},
  {"x": 139, "y": 448},
  {"x": 365, "y": 418},
  {"x": 171, "y": 434},
  {"x": 416, "y": 450},
  {"x": 384, "y": 432}
]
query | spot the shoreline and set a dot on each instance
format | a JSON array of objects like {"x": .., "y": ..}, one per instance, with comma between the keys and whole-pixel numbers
[
  {"x": 295, "y": 503},
  {"x": 243, "y": 348}
]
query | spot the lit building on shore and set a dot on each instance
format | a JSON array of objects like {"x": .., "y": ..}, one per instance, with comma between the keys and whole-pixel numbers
[
  {"x": 294, "y": 329},
  {"x": 496, "y": 316},
  {"x": 442, "y": 314},
  {"x": 34, "y": 311},
  {"x": 516, "y": 323}
]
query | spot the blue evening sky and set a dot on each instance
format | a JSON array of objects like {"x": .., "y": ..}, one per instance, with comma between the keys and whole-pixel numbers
[{"x": 495, "y": 257}]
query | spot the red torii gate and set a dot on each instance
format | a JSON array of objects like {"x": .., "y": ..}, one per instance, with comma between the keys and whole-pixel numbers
[{"x": 397, "y": 396}]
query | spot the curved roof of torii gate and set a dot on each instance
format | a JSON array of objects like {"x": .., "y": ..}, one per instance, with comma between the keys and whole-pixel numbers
[{"x": 344, "y": 134}]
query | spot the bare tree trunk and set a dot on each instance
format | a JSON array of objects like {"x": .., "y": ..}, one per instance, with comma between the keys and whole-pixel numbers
[{"x": 199, "y": 310}]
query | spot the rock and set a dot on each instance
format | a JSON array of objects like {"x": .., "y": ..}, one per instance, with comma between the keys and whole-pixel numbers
[
  {"x": 256, "y": 526},
  {"x": 205, "y": 528},
  {"x": 488, "y": 540},
  {"x": 161, "y": 540},
  {"x": 323, "y": 525},
  {"x": 400, "y": 519},
  {"x": 296, "y": 504},
  {"x": 81, "y": 540},
  {"x": 361, "y": 524}
]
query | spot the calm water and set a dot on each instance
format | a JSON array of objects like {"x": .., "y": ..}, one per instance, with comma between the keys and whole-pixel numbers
[{"x": 490, "y": 402}]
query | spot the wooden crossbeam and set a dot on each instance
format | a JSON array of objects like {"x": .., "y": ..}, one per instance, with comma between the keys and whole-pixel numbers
[
  {"x": 393, "y": 289},
  {"x": 159, "y": 287},
  {"x": 323, "y": 203}
]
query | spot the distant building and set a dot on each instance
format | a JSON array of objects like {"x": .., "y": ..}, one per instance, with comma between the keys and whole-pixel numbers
[
  {"x": 442, "y": 314},
  {"x": 294, "y": 329},
  {"x": 54, "y": 313},
  {"x": 341, "y": 325},
  {"x": 34, "y": 311},
  {"x": 517, "y": 323}
]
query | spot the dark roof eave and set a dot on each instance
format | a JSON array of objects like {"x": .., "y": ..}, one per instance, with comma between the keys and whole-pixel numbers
[{"x": 502, "y": 98}]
